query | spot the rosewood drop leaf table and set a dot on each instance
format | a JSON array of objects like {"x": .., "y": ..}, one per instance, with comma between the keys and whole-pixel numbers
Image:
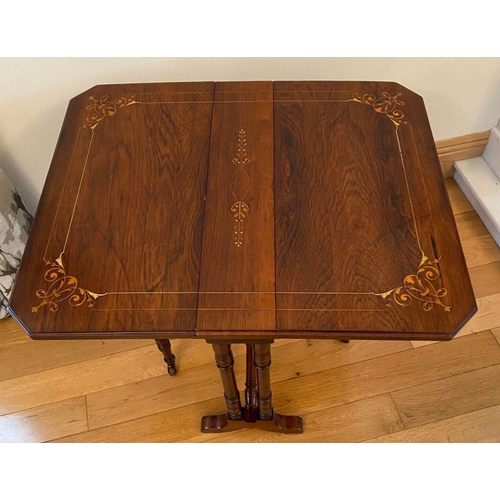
[{"x": 244, "y": 212}]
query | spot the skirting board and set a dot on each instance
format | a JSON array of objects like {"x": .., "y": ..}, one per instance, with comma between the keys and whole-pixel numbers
[{"x": 460, "y": 148}]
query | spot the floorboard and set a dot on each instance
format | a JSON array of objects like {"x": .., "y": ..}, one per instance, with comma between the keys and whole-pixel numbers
[
  {"x": 481, "y": 426},
  {"x": 448, "y": 397},
  {"x": 44, "y": 422}
]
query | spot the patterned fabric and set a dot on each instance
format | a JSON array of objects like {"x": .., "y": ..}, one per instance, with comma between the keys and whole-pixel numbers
[{"x": 15, "y": 223}]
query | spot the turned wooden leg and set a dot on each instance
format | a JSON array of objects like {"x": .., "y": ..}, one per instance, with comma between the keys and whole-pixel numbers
[
  {"x": 262, "y": 363},
  {"x": 258, "y": 410},
  {"x": 166, "y": 350},
  {"x": 225, "y": 361},
  {"x": 251, "y": 392}
]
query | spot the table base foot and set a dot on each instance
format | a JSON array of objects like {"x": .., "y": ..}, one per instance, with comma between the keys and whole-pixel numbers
[
  {"x": 169, "y": 358},
  {"x": 280, "y": 423},
  {"x": 171, "y": 368}
]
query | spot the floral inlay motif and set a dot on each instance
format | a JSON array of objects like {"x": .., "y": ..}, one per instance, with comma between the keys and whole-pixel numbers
[
  {"x": 385, "y": 104},
  {"x": 103, "y": 107},
  {"x": 418, "y": 286},
  {"x": 240, "y": 185},
  {"x": 63, "y": 287}
]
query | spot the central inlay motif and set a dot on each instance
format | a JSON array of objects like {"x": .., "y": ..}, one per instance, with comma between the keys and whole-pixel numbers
[{"x": 240, "y": 185}]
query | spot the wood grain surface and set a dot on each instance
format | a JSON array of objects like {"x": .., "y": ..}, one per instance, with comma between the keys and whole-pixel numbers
[
  {"x": 246, "y": 210},
  {"x": 131, "y": 163},
  {"x": 237, "y": 271},
  {"x": 357, "y": 183}
]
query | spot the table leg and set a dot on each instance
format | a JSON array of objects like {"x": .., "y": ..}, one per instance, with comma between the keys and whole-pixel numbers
[
  {"x": 225, "y": 361},
  {"x": 258, "y": 410},
  {"x": 166, "y": 349},
  {"x": 251, "y": 392},
  {"x": 262, "y": 362}
]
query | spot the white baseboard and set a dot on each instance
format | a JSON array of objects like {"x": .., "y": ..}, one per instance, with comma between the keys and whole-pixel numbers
[
  {"x": 492, "y": 151},
  {"x": 482, "y": 188}
]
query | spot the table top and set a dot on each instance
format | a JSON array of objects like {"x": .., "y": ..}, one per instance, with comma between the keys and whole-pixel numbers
[{"x": 244, "y": 210}]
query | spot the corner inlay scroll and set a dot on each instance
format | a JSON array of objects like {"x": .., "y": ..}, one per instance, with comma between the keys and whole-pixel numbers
[
  {"x": 240, "y": 185},
  {"x": 385, "y": 104},
  {"x": 103, "y": 107},
  {"x": 63, "y": 287},
  {"x": 418, "y": 286}
]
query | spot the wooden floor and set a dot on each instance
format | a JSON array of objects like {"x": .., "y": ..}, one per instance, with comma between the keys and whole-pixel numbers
[{"x": 118, "y": 390}]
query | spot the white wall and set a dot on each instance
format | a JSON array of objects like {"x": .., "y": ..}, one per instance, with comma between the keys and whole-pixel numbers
[{"x": 462, "y": 95}]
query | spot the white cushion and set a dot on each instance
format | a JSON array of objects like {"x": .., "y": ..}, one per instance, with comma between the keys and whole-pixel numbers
[{"x": 15, "y": 223}]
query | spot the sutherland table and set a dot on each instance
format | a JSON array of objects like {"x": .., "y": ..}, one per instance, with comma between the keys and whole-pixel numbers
[{"x": 244, "y": 212}]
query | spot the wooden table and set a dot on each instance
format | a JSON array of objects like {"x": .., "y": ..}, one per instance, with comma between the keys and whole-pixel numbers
[{"x": 244, "y": 212}]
